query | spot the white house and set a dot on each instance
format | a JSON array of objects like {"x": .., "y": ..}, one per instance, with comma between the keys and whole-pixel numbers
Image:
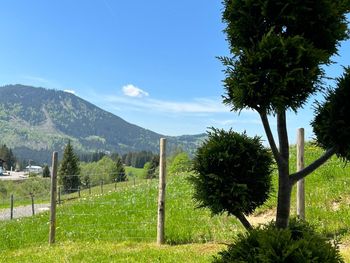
[{"x": 34, "y": 169}]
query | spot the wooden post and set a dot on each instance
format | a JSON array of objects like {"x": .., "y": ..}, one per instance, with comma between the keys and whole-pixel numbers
[
  {"x": 32, "y": 197},
  {"x": 79, "y": 191},
  {"x": 11, "y": 213},
  {"x": 134, "y": 181},
  {"x": 89, "y": 189},
  {"x": 101, "y": 186},
  {"x": 161, "y": 196},
  {"x": 52, "y": 234},
  {"x": 300, "y": 183}
]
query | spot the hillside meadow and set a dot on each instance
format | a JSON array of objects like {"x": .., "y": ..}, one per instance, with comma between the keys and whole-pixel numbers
[{"x": 120, "y": 224}]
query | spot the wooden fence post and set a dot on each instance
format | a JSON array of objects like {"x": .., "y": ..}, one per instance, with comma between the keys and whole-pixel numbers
[
  {"x": 52, "y": 234},
  {"x": 11, "y": 212},
  {"x": 32, "y": 197},
  {"x": 300, "y": 183},
  {"x": 101, "y": 186},
  {"x": 161, "y": 196}
]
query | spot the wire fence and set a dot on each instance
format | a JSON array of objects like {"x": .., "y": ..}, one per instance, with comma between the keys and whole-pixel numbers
[
  {"x": 106, "y": 207},
  {"x": 24, "y": 198},
  {"x": 113, "y": 210}
]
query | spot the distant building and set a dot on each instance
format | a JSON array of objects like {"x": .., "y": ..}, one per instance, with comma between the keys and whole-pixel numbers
[{"x": 34, "y": 169}]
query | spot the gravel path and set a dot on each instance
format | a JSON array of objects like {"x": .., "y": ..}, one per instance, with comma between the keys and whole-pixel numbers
[{"x": 23, "y": 211}]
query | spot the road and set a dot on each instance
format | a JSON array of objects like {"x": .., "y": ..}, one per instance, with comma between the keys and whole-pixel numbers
[
  {"x": 23, "y": 211},
  {"x": 14, "y": 176}
]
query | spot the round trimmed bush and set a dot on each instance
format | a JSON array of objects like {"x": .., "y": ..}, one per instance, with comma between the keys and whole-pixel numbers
[
  {"x": 298, "y": 243},
  {"x": 332, "y": 121},
  {"x": 233, "y": 173}
]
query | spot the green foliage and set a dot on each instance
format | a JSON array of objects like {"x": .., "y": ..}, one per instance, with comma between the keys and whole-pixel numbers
[
  {"x": 132, "y": 172},
  {"x": 137, "y": 159},
  {"x": 277, "y": 49},
  {"x": 3, "y": 190},
  {"x": 150, "y": 168},
  {"x": 118, "y": 174},
  {"x": 298, "y": 243},
  {"x": 332, "y": 121},
  {"x": 180, "y": 164},
  {"x": 46, "y": 171},
  {"x": 128, "y": 213},
  {"x": 69, "y": 170},
  {"x": 106, "y": 170},
  {"x": 7, "y": 155},
  {"x": 234, "y": 173}
]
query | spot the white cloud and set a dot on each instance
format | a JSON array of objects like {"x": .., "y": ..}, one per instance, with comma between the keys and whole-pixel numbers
[
  {"x": 133, "y": 91},
  {"x": 196, "y": 106},
  {"x": 69, "y": 91}
]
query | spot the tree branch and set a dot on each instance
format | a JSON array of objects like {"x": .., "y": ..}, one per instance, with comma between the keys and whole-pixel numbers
[
  {"x": 241, "y": 217},
  {"x": 283, "y": 137},
  {"x": 270, "y": 137},
  {"x": 312, "y": 167}
]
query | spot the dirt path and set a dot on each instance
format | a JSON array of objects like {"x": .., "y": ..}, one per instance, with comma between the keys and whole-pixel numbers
[
  {"x": 23, "y": 211},
  {"x": 262, "y": 218}
]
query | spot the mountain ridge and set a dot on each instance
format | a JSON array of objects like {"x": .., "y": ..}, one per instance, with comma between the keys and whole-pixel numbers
[{"x": 35, "y": 121}]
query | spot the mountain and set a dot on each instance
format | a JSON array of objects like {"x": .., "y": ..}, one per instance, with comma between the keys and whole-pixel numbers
[{"x": 36, "y": 121}]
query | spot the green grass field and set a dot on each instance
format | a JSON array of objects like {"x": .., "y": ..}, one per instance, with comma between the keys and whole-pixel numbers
[
  {"x": 120, "y": 224},
  {"x": 134, "y": 172}
]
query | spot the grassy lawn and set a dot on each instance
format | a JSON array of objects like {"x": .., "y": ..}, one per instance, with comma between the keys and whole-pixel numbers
[
  {"x": 134, "y": 172},
  {"x": 126, "y": 214},
  {"x": 120, "y": 224},
  {"x": 21, "y": 190},
  {"x": 113, "y": 252}
]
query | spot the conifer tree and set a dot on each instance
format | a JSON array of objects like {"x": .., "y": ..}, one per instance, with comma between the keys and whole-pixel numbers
[
  {"x": 46, "y": 171},
  {"x": 69, "y": 170}
]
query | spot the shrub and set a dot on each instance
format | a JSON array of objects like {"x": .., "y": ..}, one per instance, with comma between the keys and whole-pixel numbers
[
  {"x": 180, "y": 164},
  {"x": 332, "y": 121},
  {"x": 298, "y": 243},
  {"x": 233, "y": 174}
]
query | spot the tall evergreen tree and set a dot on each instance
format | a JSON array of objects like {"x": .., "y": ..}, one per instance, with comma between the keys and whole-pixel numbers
[
  {"x": 69, "y": 170},
  {"x": 46, "y": 171},
  {"x": 121, "y": 176},
  {"x": 7, "y": 155}
]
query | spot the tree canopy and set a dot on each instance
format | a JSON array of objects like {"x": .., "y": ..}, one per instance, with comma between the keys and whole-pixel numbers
[
  {"x": 278, "y": 50},
  {"x": 233, "y": 174}
]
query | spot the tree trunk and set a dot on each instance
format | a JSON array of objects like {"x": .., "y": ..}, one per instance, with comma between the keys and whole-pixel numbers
[
  {"x": 284, "y": 183},
  {"x": 244, "y": 221},
  {"x": 283, "y": 203}
]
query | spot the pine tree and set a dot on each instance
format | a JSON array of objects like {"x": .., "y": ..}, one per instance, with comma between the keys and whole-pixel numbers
[
  {"x": 46, "y": 171},
  {"x": 7, "y": 155},
  {"x": 69, "y": 170},
  {"x": 119, "y": 171}
]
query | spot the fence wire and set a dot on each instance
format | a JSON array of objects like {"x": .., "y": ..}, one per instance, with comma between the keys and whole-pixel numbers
[
  {"x": 126, "y": 210},
  {"x": 117, "y": 208}
]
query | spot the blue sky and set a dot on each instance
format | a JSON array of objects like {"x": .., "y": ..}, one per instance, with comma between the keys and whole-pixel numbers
[{"x": 152, "y": 63}]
